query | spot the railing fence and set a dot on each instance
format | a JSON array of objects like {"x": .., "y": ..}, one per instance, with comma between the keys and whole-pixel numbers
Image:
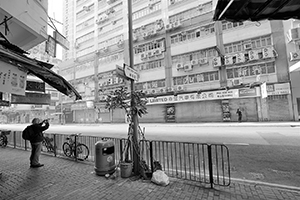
[{"x": 205, "y": 163}]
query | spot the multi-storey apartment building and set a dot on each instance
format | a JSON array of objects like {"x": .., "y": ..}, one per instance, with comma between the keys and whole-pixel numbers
[{"x": 178, "y": 52}]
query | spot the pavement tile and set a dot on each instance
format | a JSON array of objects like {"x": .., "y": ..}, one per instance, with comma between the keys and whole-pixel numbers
[{"x": 66, "y": 179}]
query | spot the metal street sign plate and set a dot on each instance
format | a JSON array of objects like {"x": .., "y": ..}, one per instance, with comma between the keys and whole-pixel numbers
[
  {"x": 120, "y": 72},
  {"x": 131, "y": 73},
  {"x": 60, "y": 39}
]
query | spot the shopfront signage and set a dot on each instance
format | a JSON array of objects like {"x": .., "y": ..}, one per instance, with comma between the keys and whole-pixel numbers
[
  {"x": 31, "y": 98},
  {"x": 247, "y": 92},
  {"x": 279, "y": 89},
  {"x": 213, "y": 95},
  {"x": 35, "y": 86},
  {"x": 51, "y": 46},
  {"x": 12, "y": 79},
  {"x": 4, "y": 103}
]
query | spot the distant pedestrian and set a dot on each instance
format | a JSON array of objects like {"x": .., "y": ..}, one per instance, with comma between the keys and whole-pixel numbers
[
  {"x": 239, "y": 114},
  {"x": 36, "y": 139}
]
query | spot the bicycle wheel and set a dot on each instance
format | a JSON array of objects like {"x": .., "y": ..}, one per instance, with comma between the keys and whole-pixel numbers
[
  {"x": 2, "y": 142},
  {"x": 82, "y": 151},
  {"x": 67, "y": 149}
]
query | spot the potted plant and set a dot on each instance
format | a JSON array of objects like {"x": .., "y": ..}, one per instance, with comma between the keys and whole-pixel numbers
[{"x": 121, "y": 98}]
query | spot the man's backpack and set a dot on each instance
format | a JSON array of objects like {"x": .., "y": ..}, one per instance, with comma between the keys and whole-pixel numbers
[{"x": 27, "y": 133}]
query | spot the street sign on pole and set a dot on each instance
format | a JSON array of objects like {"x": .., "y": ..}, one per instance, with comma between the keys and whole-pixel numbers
[
  {"x": 60, "y": 39},
  {"x": 120, "y": 72},
  {"x": 131, "y": 73}
]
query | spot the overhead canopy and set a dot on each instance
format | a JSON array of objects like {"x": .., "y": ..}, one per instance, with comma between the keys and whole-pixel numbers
[
  {"x": 256, "y": 10},
  {"x": 39, "y": 69}
]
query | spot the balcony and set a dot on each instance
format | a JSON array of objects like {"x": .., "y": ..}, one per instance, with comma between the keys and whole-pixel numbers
[{"x": 26, "y": 22}]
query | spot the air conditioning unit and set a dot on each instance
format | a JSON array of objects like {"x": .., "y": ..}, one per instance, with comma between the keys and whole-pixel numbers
[
  {"x": 150, "y": 54},
  {"x": 134, "y": 38},
  {"x": 183, "y": 33},
  {"x": 120, "y": 43},
  {"x": 105, "y": 17},
  {"x": 188, "y": 67},
  {"x": 194, "y": 62},
  {"x": 295, "y": 55},
  {"x": 168, "y": 27},
  {"x": 267, "y": 52},
  {"x": 162, "y": 90},
  {"x": 157, "y": 52},
  {"x": 145, "y": 35},
  {"x": 153, "y": 91},
  {"x": 109, "y": 1},
  {"x": 150, "y": 5},
  {"x": 240, "y": 58},
  {"x": 294, "y": 34},
  {"x": 179, "y": 88},
  {"x": 177, "y": 24},
  {"x": 253, "y": 55},
  {"x": 143, "y": 56},
  {"x": 172, "y": 2},
  {"x": 179, "y": 66},
  {"x": 228, "y": 60},
  {"x": 236, "y": 81},
  {"x": 105, "y": 48},
  {"x": 86, "y": 8},
  {"x": 109, "y": 81},
  {"x": 247, "y": 46},
  {"x": 99, "y": 20},
  {"x": 216, "y": 61},
  {"x": 203, "y": 61},
  {"x": 200, "y": 7}
]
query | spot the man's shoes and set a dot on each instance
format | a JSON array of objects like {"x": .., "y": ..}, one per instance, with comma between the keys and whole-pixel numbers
[{"x": 36, "y": 166}]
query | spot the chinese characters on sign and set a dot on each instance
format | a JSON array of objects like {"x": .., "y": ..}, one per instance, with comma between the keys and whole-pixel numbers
[
  {"x": 222, "y": 94},
  {"x": 12, "y": 79}
]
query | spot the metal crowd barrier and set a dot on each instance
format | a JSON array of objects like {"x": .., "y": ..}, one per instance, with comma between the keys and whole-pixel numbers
[{"x": 201, "y": 162}]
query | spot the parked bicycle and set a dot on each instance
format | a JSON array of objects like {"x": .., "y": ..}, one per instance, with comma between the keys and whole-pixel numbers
[
  {"x": 3, "y": 138},
  {"x": 78, "y": 150},
  {"x": 47, "y": 142}
]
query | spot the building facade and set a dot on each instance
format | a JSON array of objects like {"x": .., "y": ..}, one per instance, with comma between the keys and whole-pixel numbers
[{"x": 192, "y": 68}]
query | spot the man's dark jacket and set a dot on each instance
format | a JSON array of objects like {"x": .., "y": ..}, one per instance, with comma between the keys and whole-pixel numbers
[{"x": 37, "y": 132}]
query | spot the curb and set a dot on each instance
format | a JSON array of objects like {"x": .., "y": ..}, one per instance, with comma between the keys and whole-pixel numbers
[{"x": 256, "y": 183}]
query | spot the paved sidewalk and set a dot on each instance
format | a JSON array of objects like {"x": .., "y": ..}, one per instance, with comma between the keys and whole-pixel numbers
[{"x": 65, "y": 179}]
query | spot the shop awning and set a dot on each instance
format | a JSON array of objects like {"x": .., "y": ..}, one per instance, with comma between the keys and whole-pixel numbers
[
  {"x": 37, "y": 68},
  {"x": 256, "y": 10}
]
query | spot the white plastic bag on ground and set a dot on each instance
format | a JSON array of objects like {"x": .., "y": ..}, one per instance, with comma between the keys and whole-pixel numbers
[{"x": 160, "y": 178}]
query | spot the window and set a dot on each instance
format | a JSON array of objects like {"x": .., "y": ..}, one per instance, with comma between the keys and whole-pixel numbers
[
  {"x": 253, "y": 70},
  {"x": 147, "y": 10}
]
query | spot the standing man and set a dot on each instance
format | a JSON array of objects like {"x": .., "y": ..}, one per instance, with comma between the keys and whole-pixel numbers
[
  {"x": 36, "y": 141},
  {"x": 239, "y": 114}
]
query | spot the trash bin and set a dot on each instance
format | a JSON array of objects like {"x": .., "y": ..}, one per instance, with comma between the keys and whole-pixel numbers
[{"x": 105, "y": 157}]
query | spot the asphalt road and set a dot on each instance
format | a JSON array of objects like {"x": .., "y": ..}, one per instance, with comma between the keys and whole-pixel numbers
[{"x": 259, "y": 134}]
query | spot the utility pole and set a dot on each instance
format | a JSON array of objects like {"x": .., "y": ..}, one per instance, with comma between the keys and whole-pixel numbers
[{"x": 135, "y": 145}]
